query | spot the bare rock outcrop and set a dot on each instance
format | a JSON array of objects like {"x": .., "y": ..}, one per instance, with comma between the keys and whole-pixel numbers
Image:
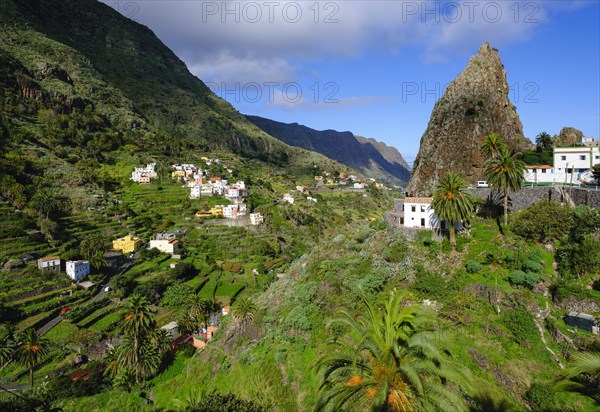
[{"x": 473, "y": 105}]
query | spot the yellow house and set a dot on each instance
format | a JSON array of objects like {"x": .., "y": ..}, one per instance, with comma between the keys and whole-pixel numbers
[
  {"x": 203, "y": 213},
  {"x": 217, "y": 210},
  {"x": 127, "y": 244},
  {"x": 177, "y": 174}
]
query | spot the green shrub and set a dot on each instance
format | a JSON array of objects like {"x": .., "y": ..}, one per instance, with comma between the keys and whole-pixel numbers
[
  {"x": 532, "y": 266},
  {"x": 430, "y": 284},
  {"x": 217, "y": 402},
  {"x": 372, "y": 283},
  {"x": 424, "y": 237},
  {"x": 520, "y": 278},
  {"x": 176, "y": 295},
  {"x": 540, "y": 397},
  {"x": 516, "y": 277},
  {"x": 472, "y": 267},
  {"x": 544, "y": 221},
  {"x": 579, "y": 259},
  {"x": 298, "y": 318},
  {"x": 396, "y": 251},
  {"x": 520, "y": 324}
]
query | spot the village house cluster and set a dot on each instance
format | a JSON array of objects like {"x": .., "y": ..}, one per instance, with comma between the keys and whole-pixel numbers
[
  {"x": 343, "y": 179},
  {"x": 144, "y": 175},
  {"x": 201, "y": 184}
]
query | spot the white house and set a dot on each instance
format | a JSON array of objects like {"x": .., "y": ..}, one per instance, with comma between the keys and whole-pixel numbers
[
  {"x": 573, "y": 164},
  {"x": 418, "y": 213},
  {"x": 358, "y": 186},
  {"x": 165, "y": 242},
  {"x": 288, "y": 198},
  {"x": 256, "y": 218},
  {"x": 195, "y": 192},
  {"x": 235, "y": 191},
  {"x": 540, "y": 174},
  {"x": 235, "y": 210},
  {"x": 165, "y": 246},
  {"x": 206, "y": 190},
  {"x": 49, "y": 264},
  {"x": 311, "y": 199},
  {"x": 77, "y": 269}
]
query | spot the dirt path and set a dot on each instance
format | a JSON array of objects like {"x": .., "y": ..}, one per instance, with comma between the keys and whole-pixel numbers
[{"x": 539, "y": 323}]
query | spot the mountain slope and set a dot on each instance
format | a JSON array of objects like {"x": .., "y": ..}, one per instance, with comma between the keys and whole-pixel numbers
[
  {"x": 374, "y": 159},
  {"x": 71, "y": 56},
  {"x": 474, "y": 105}
]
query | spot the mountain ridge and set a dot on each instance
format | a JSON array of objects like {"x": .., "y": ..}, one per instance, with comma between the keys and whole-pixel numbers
[
  {"x": 90, "y": 56},
  {"x": 372, "y": 158}
]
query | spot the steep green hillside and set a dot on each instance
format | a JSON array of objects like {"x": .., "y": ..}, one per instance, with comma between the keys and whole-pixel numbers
[{"x": 82, "y": 56}]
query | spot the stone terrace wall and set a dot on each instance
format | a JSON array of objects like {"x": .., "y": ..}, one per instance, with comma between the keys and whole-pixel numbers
[{"x": 530, "y": 195}]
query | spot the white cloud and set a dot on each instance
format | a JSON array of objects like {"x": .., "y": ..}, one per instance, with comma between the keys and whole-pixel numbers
[
  {"x": 268, "y": 41},
  {"x": 227, "y": 67},
  {"x": 291, "y": 101}
]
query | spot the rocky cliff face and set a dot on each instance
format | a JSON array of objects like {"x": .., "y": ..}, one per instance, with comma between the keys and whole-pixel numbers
[
  {"x": 568, "y": 136},
  {"x": 474, "y": 105}
]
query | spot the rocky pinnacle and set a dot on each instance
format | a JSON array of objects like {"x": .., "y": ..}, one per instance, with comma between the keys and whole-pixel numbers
[{"x": 473, "y": 105}]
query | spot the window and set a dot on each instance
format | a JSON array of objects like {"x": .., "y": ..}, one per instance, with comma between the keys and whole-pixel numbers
[
  {"x": 563, "y": 158},
  {"x": 597, "y": 157},
  {"x": 413, "y": 208},
  {"x": 543, "y": 170},
  {"x": 422, "y": 222},
  {"x": 422, "y": 209},
  {"x": 534, "y": 170},
  {"x": 582, "y": 157}
]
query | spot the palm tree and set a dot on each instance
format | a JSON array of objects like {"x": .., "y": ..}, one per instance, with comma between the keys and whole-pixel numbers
[
  {"x": 505, "y": 172},
  {"x": 243, "y": 312},
  {"x": 186, "y": 324},
  {"x": 138, "y": 319},
  {"x": 582, "y": 374},
  {"x": 201, "y": 309},
  {"x": 451, "y": 203},
  {"x": 161, "y": 339},
  {"x": 137, "y": 323},
  {"x": 492, "y": 144},
  {"x": 111, "y": 363},
  {"x": 7, "y": 344},
  {"x": 31, "y": 349},
  {"x": 387, "y": 360},
  {"x": 98, "y": 260},
  {"x": 195, "y": 307},
  {"x": 142, "y": 358},
  {"x": 543, "y": 140}
]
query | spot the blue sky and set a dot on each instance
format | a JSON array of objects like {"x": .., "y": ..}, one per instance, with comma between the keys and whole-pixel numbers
[{"x": 376, "y": 68}]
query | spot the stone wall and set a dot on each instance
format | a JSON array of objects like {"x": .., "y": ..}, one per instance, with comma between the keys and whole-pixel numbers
[
  {"x": 582, "y": 196},
  {"x": 530, "y": 195}
]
